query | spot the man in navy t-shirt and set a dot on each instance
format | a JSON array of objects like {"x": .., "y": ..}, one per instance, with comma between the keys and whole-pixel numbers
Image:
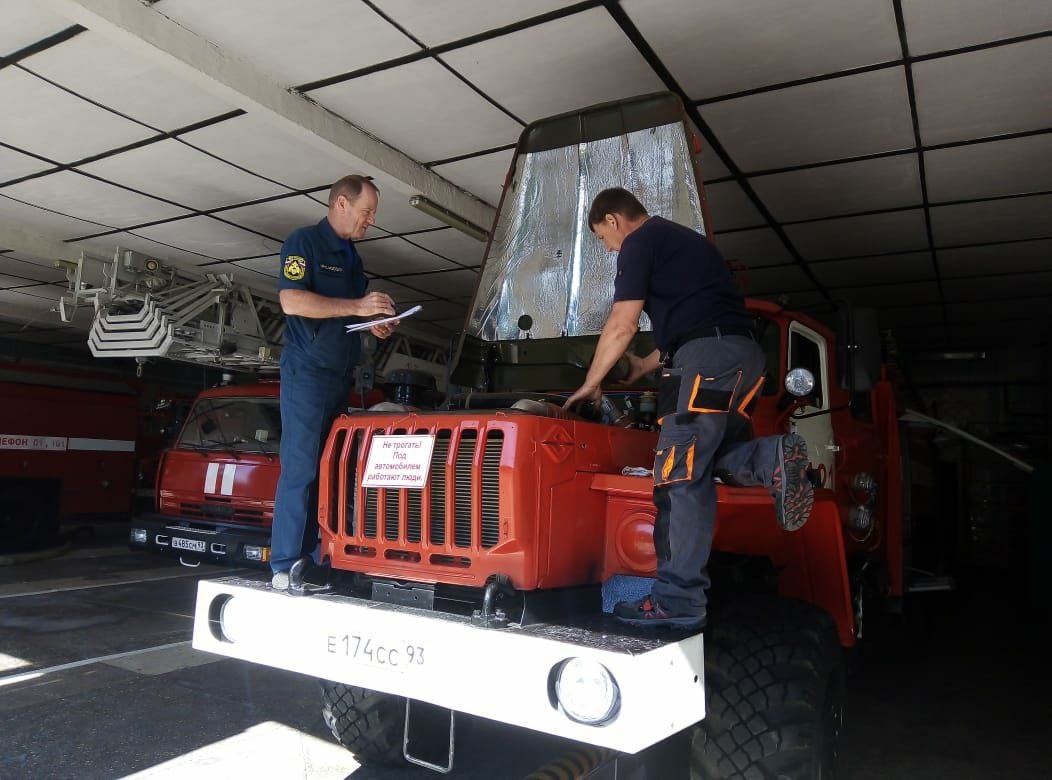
[
  {"x": 712, "y": 367},
  {"x": 321, "y": 287}
]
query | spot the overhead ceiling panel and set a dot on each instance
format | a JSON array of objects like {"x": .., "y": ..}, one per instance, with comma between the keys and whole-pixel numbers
[
  {"x": 292, "y": 43},
  {"x": 730, "y": 207},
  {"x": 754, "y": 248},
  {"x": 866, "y": 185},
  {"x": 210, "y": 237},
  {"x": 43, "y": 220},
  {"x": 434, "y": 23},
  {"x": 276, "y": 218},
  {"x": 395, "y": 215},
  {"x": 97, "y": 69},
  {"x": 995, "y": 287},
  {"x": 25, "y": 24},
  {"x": 892, "y": 295},
  {"x": 40, "y": 269},
  {"x": 452, "y": 245},
  {"x": 910, "y": 266},
  {"x": 75, "y": 128},
  {"x": 809, "y": 123},
  {"x": 712, "y": 167},
  {"x": 421, "y": 109},
  {"x": 92, "y": 200},
  {"x": 780, "y": 279},
  {"x": 997, "y": 258},
  {"x": 394, "y": 256},
  {"x": 14, "y": 165},
  {"x": 268, "y": 266},
  {"x": 253, "y": 143},
  {"x": 938, "y": 25},
  {"x": 402, "y": 295},
  {"x": 997, "y": 311},
  {"x": 482, "y": 176},
  {"x": 983, "y": 93},
  {"x": 1010, "y": 167},
  {"x": 990, "y": 221},
  {"x": 106, "y": 246},
  {"x": 723, "y": 46},
  {"x": 172, "y": 170},
  {"x": 528, "y": 71},
  {"x": 451, "y": 284},
  {"x": 908, "y": 316},
  {"x": 899, "y": 231},
  {"x": 443, "y": 311}
]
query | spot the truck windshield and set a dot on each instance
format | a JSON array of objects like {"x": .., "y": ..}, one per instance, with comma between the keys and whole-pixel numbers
[{"x": 240, "y": 424}]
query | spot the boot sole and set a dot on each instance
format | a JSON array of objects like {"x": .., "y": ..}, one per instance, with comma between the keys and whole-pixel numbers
[{"x": 795, "y": 497}]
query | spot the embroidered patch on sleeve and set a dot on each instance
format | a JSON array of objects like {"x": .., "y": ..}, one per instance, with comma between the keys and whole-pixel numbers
[{"x": 294, "y": 268}]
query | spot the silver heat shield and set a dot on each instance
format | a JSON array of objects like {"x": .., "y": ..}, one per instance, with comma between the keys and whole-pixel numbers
[{"x": 544, "y": 260}]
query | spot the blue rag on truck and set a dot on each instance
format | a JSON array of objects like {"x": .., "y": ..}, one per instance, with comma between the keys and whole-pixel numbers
[{"x": 622, "y": 587}]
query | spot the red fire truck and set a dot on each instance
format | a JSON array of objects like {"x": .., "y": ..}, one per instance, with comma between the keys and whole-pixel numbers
[
  {"x": 67, "y": 450},
  {"x": 472, "y": 550}
]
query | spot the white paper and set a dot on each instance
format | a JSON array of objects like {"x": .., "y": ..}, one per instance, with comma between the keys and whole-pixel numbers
[{"x": 366, "y": 325}]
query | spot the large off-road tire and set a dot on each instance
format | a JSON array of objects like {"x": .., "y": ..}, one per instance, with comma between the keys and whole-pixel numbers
[
  {"x": 775, "y": 694},
  {"x": 368, "y": 723}
]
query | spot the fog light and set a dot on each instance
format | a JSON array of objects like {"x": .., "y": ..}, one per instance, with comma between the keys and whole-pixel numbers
[
  {"x": 139, "y": 535},
  {"x": 587, "y": 692},
  {"x": 261, "y": 554}
]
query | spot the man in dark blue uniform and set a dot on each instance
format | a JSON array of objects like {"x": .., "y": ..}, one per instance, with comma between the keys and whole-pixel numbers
[
  {"x": 711, "y": 367},
  {"x": 322, "y": 288}
]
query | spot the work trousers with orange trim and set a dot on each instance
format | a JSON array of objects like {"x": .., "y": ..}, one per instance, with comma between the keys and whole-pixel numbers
[{"x": 705, "y": 432}]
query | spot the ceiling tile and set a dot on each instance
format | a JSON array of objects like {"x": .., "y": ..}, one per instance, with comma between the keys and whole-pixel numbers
[
  {"x": 564, "y": 74},
  {"x": 909, "y": 266},
  {"x": 101, "y": 71},
  {"x": 802, "y": 300},
  {"x": 433, "y": 24},
  {"x": 452, "y": 245},
  {"x": 899, "y": 231},
  {"x": 39, "y": 269},
  {"x": 712, "y": 167},
  {"x": 988, "y": 221},
  {"x": 995, "y": 287},
  {"x": 421, "y": 109},
  {"x": 723, "y": 46},
  {"x": 996, "y": 311},
  {"x": 453, "y": 326},
  {"x": 23, "y": 307},
  {"x": 1009, "y": 167},
  {"x": 25, "y": 24},
  {"x": 253, "y": 143},
  {"x": 892, "y": 295},
  {"x": 730, "y": 207},
  {"x": 395, "y": 215},
  {"x": 90, "y": 199},
  {"x": 41, "y": 220},
  {"x": 269, "y": 266},
  {"x": 448, "y": 284},
  {"x": 482, "y": 176},
  {"x": 276, "y": 218},
  {"x": 14, "y": 165},
  {"x": 984, "y": 93},
  {"x": 172, "y": 170},
  {"x": 74, "y": 128},
  {"x": 827, "y": 120},
  {"x": 210, "y": 237},
  {"x": 402, "y": 295},
  {"x": 937, "y": 25},
  {"x": 910, "y": 315},
  {"x": 106, "y": 246},
  {"x": 887, "y": 182},
  {"x": 780, "y": 279},
  {"x": 290, "y": 44},
  {"x": 394, "y": 256},
  {"x": 754, "y": 248},
  {"x": 442, "y": 310},
  {"x": 998, "y": 258}
]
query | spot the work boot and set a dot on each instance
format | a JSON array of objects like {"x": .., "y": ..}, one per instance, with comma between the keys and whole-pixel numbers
[
  {"x": 647, "y": 613},
  {"x": 792, "y": 490},
  {"x": 298, "y": 578}
]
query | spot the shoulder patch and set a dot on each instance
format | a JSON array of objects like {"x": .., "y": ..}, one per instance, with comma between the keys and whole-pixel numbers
[{"x": 294, "y": 267}]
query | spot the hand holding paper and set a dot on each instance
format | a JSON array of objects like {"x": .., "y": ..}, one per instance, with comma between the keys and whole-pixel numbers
[{"x": 357, "y": 326}]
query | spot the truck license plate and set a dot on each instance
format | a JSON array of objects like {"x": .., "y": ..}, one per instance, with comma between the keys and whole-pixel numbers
[
  {"x": 193, "y": 545},
  {"x": 394, "y": 654}
]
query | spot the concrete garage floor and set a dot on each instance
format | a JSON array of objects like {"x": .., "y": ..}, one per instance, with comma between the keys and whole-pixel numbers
[{"x": 97, "y": 680}]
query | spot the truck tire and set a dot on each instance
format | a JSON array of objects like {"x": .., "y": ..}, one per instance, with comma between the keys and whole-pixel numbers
[
  {"x": 775, "y": 694},
  {"x": 368, "y": 723}
]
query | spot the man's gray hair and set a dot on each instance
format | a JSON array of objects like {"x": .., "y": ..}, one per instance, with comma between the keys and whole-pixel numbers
[{"x": 351, "y": 187}]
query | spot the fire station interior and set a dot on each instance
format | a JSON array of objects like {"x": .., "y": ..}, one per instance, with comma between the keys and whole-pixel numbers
[{"x": 882, "y": 156}]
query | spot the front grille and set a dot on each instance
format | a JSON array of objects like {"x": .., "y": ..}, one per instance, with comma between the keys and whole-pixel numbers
[
  {"x": 459, "y": 508},
  {"x": 223, "y": 513}
]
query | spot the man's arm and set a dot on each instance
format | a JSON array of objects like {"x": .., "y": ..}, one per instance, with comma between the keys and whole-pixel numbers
[
  {"x": 641, "y": 366},
  {"x": 304, "y": 303},
  {"x": 617, "y": 334}
]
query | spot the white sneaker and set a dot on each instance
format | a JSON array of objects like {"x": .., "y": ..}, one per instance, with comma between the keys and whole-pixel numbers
[{"x": 280, "y": 580}]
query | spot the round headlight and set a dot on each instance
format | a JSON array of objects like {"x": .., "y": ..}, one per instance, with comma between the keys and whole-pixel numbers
[
  {"x": 800, "y": 382},
  {"x": 587, "y": 692}
]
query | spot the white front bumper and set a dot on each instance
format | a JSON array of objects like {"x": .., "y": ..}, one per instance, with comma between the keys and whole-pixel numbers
[{"x": 501, "y": 674}]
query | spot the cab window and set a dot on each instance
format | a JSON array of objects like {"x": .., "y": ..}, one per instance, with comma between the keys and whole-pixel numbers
[{"x": 805, "y": 351}]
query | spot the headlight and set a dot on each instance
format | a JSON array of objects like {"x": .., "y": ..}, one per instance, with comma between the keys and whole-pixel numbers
[
  {"x": 587, "y": 692},
  {"x": 138, "y": 535},
  {"x": 253, "y": 553}
]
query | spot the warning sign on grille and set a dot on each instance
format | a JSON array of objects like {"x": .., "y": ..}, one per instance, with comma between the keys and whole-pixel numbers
[{"x": 398, "y": 461}]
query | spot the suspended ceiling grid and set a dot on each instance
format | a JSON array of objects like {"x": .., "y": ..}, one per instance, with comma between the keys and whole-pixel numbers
[{"x": 890, "y": 153}]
